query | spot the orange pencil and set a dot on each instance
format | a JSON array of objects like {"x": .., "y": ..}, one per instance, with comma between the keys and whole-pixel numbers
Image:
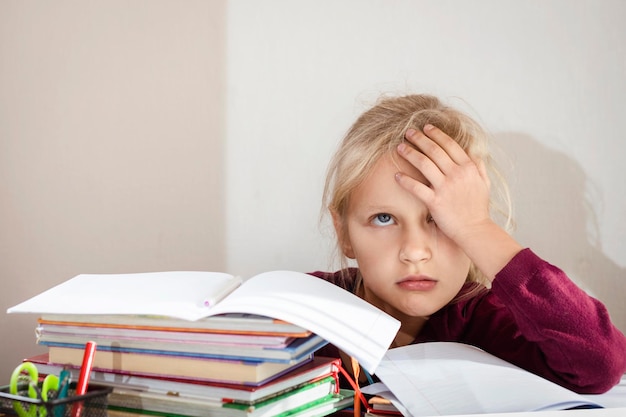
[{"x": 356, "y": 370}]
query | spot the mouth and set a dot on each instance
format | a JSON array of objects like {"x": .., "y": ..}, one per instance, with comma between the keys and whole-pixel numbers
[{"x": 417, "y": 283}]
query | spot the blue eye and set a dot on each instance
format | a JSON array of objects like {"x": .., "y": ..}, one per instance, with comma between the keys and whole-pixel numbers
[{"x": 383, "y": 219}]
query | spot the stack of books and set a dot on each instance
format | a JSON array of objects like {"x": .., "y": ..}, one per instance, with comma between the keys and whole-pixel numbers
[
  {"x": 167, "y": 352},
  {"x": 248, "y": 365}
]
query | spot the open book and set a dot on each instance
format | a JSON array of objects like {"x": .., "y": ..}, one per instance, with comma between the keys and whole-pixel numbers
[
  {"x": 447, "y": 378},
  {"x": 343, "y": 319}
]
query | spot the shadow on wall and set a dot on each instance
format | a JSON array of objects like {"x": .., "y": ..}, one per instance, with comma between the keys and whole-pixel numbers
[{"x": 554, "y": 217}]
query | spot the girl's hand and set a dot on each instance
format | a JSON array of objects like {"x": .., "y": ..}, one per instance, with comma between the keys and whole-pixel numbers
[
  {"x": 457, "y": 195},
  {"x": 457, "y": 188}
]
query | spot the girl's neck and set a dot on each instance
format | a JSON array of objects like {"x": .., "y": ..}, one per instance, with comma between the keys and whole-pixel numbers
[{"x": 410, "y": 327}]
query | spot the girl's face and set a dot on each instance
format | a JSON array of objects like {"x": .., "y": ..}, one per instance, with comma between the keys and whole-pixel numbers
[{"x": 409, "y": 268}]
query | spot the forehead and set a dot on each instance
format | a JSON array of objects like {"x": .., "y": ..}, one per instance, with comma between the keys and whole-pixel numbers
[{"x": 380, "y": 186}]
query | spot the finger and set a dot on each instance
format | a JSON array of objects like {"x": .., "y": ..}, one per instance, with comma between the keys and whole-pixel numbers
[
  {"x": 482, "y": 170},
  {"x": 449, "y": 145},
  {"x": 431, "y": 149},
  {"x": 433, "y": 174},
  {"x": 415, "y": 187}
]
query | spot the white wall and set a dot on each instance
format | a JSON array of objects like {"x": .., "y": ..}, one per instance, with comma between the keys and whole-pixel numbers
[{"x": 545, "y": 77}]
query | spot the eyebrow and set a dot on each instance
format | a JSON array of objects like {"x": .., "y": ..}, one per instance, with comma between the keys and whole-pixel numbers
[{"x": 376, "y": 208}]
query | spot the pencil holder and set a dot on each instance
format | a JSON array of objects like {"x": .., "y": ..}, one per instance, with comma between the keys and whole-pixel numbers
[{"x": 91, "y": 404}]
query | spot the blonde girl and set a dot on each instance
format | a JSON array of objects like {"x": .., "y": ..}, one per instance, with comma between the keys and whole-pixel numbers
[{"x": 409, "y": 193}]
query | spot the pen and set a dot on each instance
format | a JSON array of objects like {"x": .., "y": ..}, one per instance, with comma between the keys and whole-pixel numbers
[
  {"x": 64, "y": 384},
  {"x": 65, "y": 377},
  {"x": 83, "y": 378}
]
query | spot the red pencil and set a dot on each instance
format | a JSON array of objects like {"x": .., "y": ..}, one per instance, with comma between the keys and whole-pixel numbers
[{"x": 83, "y": 378}]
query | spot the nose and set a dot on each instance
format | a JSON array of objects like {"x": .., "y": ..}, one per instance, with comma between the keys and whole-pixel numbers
[{"x": 416, "y": 245}]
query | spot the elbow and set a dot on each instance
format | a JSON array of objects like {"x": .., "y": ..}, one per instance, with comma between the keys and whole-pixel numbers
[
  {"x": 613, "y": 369},
  {"x": 602, "y": 366},
  {"x": 604, "y": 372}
]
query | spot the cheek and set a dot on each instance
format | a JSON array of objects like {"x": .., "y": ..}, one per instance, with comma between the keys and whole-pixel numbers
[
  {"x": 462, "y": 267},
  {"x": 458, "y": 261},
  {"x": 367, "y": 253},
  {"x": 368, "y": 244}
]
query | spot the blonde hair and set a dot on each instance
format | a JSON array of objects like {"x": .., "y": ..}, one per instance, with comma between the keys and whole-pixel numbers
[{"x": 378, "y": 132}]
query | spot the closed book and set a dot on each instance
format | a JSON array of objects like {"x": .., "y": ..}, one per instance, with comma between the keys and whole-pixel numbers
[
  {"x": 213, "y": 369},
  {"x": 330, "y": 405},
  {"x": 297, "y": 349},
  {"x": 246, "y": 393},
  {"x": 70, "y": 333},
  {"x": 230, "y": 323},
  {"x": 296, "y": 398}
]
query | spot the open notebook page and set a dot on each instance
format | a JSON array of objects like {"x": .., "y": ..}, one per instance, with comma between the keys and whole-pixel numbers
[
  {"x": 443, "y": 378},
  {"x": 181, "y": 294},
  {"x": 338, "y": 316},
  {"x": 345, "y": 320}
]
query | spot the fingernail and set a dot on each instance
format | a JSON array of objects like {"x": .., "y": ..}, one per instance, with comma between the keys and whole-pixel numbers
[
  {"x": 428, "y": 127},
  {"x": 410, "y": 132},
  {"x": 401, "y": 148},
  {"x": 398, "y": 176}
]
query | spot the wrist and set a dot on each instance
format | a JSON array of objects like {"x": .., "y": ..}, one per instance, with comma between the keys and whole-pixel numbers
[
  {"x": 488, "y": 246},
  {"x": 469, "y": 234}
]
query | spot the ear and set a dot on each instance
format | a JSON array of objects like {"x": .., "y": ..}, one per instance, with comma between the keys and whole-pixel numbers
[{"x": 342, "y": 235}]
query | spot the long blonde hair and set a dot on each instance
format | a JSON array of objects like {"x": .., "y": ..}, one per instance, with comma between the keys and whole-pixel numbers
[{"x": 379, "y": 130}]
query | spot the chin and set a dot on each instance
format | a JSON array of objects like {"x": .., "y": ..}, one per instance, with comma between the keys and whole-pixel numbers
[{"x": 419, "y": 313}]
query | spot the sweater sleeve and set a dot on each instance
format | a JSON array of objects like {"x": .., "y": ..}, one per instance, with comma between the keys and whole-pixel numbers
[{"x": 581, "y": 348}]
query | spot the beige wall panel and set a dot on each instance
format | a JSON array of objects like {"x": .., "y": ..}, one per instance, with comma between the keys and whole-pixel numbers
[{"x": 111, "y": 125}]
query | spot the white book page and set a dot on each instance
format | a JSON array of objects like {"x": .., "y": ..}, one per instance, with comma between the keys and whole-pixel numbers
[
  {"x": 450, "y": 378},
  {"x": 180, "y": 294},
  {"x": 343, "y": 319},
  {"x": 350, "y": 323}
]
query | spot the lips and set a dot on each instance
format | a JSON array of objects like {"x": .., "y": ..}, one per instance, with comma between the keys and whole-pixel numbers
[{"x": 417, "y": 283}]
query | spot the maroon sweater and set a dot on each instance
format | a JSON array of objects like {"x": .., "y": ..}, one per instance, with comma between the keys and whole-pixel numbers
[{"x": 535, "y": 317}]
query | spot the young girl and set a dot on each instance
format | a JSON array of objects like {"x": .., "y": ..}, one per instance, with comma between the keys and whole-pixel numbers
[{"x": 409, "y": 194}]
